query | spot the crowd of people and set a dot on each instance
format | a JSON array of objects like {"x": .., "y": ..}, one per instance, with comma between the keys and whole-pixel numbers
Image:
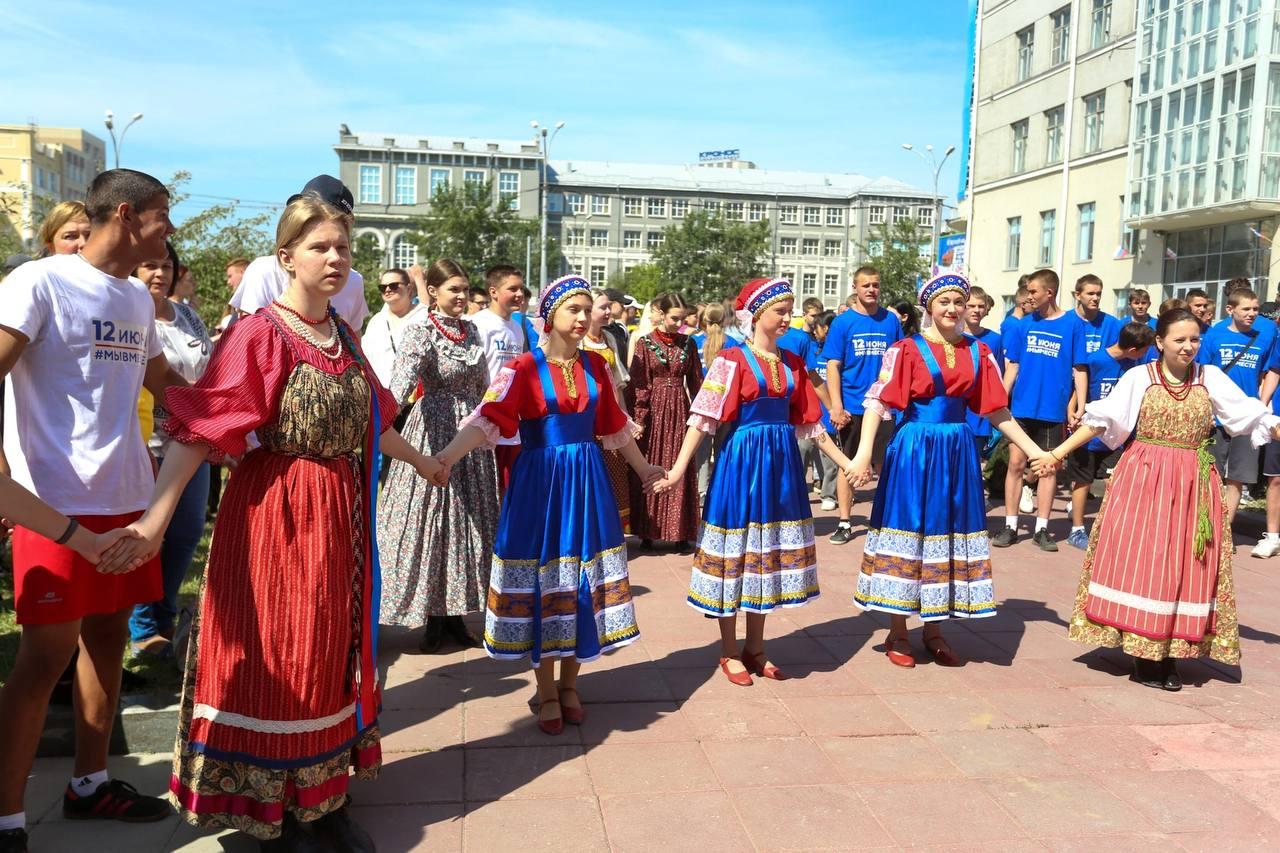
[{"x": 477, "y": 450}]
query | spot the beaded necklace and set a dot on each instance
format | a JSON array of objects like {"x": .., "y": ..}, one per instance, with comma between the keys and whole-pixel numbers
[
  {"x": 330, "y": 347},
  {"x": 660, "y": 352},
  {"x": 295, "y": 312},
  {"x": 1184, "y": 387},
  {"x": 455, "y": 337}
]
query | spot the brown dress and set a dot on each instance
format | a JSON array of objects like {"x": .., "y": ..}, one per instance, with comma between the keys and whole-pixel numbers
[{"x": 665, "y": 377}]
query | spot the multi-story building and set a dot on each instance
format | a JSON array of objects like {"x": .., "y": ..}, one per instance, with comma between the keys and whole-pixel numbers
[
  {"x": 1138, "y": 140},
  {"x": 609, "y": 217},
  {"x": 41, "y": 166}
]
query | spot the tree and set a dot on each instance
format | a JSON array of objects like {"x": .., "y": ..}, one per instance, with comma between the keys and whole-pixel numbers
[
  {"x": 210, "y": 239},
  {"x": 707, "y": 257},
  {"x": 366, "y": 259},
  {"x": 894, "y": 249},
  {"x": 643, "y": 281},
  {"x": 468, "y": 224}
]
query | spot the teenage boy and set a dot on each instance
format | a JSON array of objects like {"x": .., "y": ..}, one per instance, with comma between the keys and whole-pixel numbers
[
  {"x": 1021, "y": 308},
  {"x": 854, "y": 351},
  {"x": 477, "y": 300},
  {"x": 1242, "y": 350},
  {"x": 503, "y": 339},
  {"x": 1086, "y": 464},
  {"x": 1140, "y": 307},
  {"x": 975, "y": 311},
  {"x": 1198, "y": 303},
  {"x": 78, "y": 343},
  {"x": 1041, "y": 374},
  {"x": 1099, "y": 329}
]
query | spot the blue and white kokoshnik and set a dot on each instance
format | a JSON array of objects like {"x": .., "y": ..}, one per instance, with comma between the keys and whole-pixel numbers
[{"x": 941, "y": 283}]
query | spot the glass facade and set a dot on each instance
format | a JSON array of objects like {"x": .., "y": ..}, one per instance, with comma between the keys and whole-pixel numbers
[{"x": 1205, "y": 258}]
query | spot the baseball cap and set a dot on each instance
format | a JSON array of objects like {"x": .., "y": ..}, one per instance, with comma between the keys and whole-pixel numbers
[
  {"x": 615, "y": 295},
  {"x": 631, "y": 302},
  {"x": 331, "y": 191},
  {"x": 12, "y": 262}
]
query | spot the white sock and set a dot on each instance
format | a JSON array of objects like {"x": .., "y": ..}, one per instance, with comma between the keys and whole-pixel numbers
[
  {"x": 1011, "y": 522},
  {"x": 13, "y": 821},
  {"x": 1271, "y": 537},
  {"x": 1074, "y": 528},
  {"x": 1041, "y": 524},
  {"x": 844, "y": 522},
  {"x": 88, "y": 784}
]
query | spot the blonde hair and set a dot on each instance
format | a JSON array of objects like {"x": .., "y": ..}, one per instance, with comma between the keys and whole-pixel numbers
[
  {"x": 62, "y": 213},
  {"x": 305, "y": 213},
  {"x": 713, "y": 326}
]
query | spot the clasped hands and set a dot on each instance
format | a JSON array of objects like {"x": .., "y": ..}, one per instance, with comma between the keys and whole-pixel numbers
[{"x": 1044, "y": 463}]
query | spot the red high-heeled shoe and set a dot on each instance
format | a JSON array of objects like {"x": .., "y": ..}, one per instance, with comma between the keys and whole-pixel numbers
[
  {"x": 757, "y": 665},
  {"x": 742, "y": 679},
  {"x": 554, "y": 726},
  {"x": 572, "y": 716}
]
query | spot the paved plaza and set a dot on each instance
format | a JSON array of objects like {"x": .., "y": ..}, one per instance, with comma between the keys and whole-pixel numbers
[{"x": 1038, "y": 743}]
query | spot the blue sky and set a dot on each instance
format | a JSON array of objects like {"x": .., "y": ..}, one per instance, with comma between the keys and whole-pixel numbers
[{"x": 249, "y": 98}]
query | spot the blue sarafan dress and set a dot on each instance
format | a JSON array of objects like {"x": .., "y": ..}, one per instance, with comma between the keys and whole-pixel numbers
[
  {"x": 927, "y": 550},
  {"x": 755, "y": 545},
  {"x": 559, "y": 584}
]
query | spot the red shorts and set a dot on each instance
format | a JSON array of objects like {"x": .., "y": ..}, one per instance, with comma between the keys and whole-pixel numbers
[
  {"x": 505, "y": 455},
  {"x": 52, "y": 583}
]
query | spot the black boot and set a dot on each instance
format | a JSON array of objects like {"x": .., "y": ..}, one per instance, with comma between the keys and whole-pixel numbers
[
  {"x": 1171, "y": 680},
  {"x": 292, "y": 840},
  {"x": 456, "y": 628},
  {"x": 432, "y": 636},
  {"x": 343, "y": 833},
  {"x": 1147, "y": 673}
]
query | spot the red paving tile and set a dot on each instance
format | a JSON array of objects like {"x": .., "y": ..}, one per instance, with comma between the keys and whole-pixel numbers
[
  {"x": 892, "y": 758},
  {"x": 1068, "y": 806},
  {"x": 812, "y": 818},
  {"x": 1187, "y": 801},
  {"x": 923, "y": 813},
  {"x": 694, "y": 821}
]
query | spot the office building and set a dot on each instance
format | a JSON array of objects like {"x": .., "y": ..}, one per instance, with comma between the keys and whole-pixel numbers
[{"x": 41, "y": 166}]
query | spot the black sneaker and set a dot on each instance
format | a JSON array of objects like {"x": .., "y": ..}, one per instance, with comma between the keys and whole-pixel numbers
[
  {"x": 114, "y": 800},
  {"x": 1006, "y": 537},
  {"x": 1044, "y": 541},
  {"x": 843, "y": 534},
  {"x": 13, "y": 841}
]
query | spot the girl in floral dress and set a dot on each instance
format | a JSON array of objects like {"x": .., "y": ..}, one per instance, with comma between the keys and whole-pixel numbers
[{"x": 435, "y": 543}]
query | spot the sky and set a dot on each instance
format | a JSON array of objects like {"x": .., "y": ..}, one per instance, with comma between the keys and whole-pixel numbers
[{"x": 248, "y": 97}]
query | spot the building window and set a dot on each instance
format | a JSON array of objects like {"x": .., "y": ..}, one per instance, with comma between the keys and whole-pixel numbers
[
  {"x": 631, "y": 239},
  {"x": 473, "y": 177},
  {"x": 809, "y": 283},
  {"x": 1026, "y": 47},
  {"x": 1020, "y": 130},
  {"x": 1013, "y": 249},
  {"x": 509, "y": 189},
  {"x": 809, "y": 246},
  {"x": 1061, "y": 36},
  {"x": 788, "y": 276},
  {"x": 901, "y": 214},
  {"x": 599, "y": 238},
  {"x": 875, "y": 214},
  {"x": 406, "y": 185},
  {"x": 600, "y": 205},
  {"x": 787, "y": 246},
  {"x": 787, "y": 214},
  {"x": 370, "y": 184},
  {"x": 1084, "y": 243},
  {"x": 1100, "y": 26},
  {"x": 439, "y": 181},
  {"x": 831, "y": 248},
  {"x": 755, "y": 212},
  {"x": 813, "y": 216},
  {"x": 403, "y": 253},
  {"x": 575, "y": 203},
  {"x": 835, "y": 216},
  {"x": 1048, "y": 228},
  {"x": 655, "y": 239},
  {"x": 679, "y": 208},
  {"x": 831, "y": 285},
  {"x": 1095, "y": 106},
  {"x": 574, "y": 237},
  {"x": 657, "y": 206},
  {"x": 1053, "y": 135},
  {"x": 712, "y": 207},
  {"x": 631, "y": 206},
  {"x": 924, "y": 216},
  {"x": 597, "y": 275},
  {"x": 733, "y": 210}
]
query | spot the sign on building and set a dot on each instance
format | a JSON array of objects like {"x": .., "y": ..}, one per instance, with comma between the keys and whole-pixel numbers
[
  {"x": 951, "y": 252},
  {"x": 718, "y": 156}
]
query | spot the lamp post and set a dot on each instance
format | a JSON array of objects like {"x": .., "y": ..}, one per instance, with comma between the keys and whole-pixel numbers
[
  {"x": 542, "y": 188},
  {"x": 937, "y": 165},
  {"x": 117, "y": 144}
]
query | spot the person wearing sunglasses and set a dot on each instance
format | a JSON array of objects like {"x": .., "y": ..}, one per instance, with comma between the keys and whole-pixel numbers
[
  {"x": 386, "y": 328},
  {"x": 477, "y": 300}
]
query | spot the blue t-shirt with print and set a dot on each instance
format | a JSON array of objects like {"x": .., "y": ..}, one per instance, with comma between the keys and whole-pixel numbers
[
  {"x": 1150, "y": 321},
  {"x": 1010, "y": 327},
  {"x": 981, "y": 426},
  {"x": 1045, "y": 352},
  {"x": 1104, "y": 372},
  {"x": 804, "y": 345},
  {"x": 700, "y": 338},
  {"x": 859, "y": 341},
  {"x": 1099, "y": 333},
  {"x": 1221, "y": 345}
]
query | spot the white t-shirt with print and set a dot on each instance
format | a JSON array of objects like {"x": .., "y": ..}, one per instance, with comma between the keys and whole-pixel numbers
[
  {"x": 503, "y": 340},
  {"x": 265, "y": 280},
  {"x": 71, "y": 430}
]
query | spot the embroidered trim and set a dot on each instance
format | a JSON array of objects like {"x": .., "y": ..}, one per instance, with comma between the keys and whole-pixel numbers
[{"x": 275, "y": 727}]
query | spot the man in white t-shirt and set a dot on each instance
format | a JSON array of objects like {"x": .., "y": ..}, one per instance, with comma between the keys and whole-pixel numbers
[
  {"x": 503, "y": 340},
  {"x": 78, "y": 343},
  {"x": 264, "y": 280}
]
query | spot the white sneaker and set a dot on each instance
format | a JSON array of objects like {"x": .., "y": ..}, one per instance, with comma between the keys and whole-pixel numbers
[
  {"x": 1027, "y": 503},
  {"x": 1266, "y": 548},
  {"x": 828, "y": 504}
]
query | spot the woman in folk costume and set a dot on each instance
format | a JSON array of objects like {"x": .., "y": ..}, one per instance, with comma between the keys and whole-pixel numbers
[
  {"x": 755, "y": 549},
  {"x": 665, "y": 376},
  {"x": 597, "y": 340},
  {"x": 927, "y": 551},
  {"x": 1157, "y": 574},
  {"x": 559, "y": 585},
  {"x": 281, "y": 698}
]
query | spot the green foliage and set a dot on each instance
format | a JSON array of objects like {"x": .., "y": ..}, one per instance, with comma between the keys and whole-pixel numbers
[
  {"x": 643, "y": 281},
  {"x": 466, "y": 224},
  {"x": 207, "y": 241},
  {"x": 707, "y": 257},
  {"x": 894, "y": 249},
  {"x": 366, "y": 259}
]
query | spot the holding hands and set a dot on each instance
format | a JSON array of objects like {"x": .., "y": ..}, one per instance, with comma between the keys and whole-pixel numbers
[
  {"x": 858, "y": 471},
  {"x": 431, "y": 469},
  {"x": 135, "y": 545},
  {"x": 657, "y": 480},
  {"x": 1044, "y": 463}
]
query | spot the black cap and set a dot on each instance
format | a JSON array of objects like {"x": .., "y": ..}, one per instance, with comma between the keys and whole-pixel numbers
[
  {"x": 331, "y": 191},
  {"x": 615, "y": 295}
]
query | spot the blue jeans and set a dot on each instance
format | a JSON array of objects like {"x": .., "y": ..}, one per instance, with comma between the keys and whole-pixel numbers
[{"x": 180, "y": 542}]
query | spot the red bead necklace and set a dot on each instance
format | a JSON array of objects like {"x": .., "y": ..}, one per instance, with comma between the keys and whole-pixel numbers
[
  {"x": 303, "y": 317},
  {"x": 449, "y": 334},
  {"x": 1184, "y": 390}
]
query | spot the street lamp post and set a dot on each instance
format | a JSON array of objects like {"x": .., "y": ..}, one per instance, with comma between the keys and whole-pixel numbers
[
  {"x": 542, "y": 192},
  {"x": 937, "y": 165},
  {"x": 117, "y": 144}
]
